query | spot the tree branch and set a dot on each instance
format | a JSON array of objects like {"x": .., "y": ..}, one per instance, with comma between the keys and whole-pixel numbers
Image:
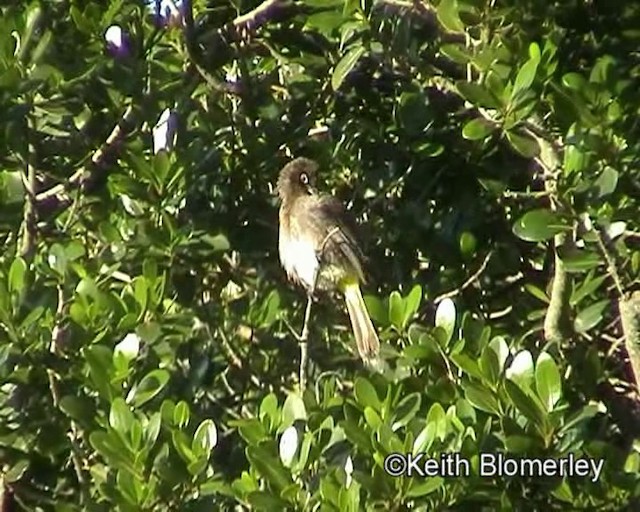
[
  {"x": 57, "y": 341},
  {"x": 29, "y": 220},
  {"x": 58, "y": 196},
  {"x": 470, "y": 280},
  {"x": 629, "y": 307}
]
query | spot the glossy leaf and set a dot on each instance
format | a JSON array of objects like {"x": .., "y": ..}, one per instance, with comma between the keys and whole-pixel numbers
[
  {"x": 346, "y": 65},
  {"x": 538, "y": 225}
]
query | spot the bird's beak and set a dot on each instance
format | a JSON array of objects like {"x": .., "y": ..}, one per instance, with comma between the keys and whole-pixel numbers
[{"x": 313, "y": 191}]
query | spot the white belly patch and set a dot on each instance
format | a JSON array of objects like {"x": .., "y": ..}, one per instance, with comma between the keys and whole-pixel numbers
[{"x": 299, "y": 260}]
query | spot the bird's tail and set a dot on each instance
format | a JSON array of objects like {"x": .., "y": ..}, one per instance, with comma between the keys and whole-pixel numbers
[{"x": 366, "y": 337}]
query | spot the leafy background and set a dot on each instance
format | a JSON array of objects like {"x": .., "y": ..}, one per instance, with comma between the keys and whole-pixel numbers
[{"x": 490, "y": 149}]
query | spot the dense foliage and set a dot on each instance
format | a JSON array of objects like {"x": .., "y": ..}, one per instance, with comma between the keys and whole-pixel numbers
[{"x": 148, "y": 357}]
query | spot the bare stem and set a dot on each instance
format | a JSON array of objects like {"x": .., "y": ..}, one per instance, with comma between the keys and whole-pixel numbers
[{"x": 302, "y": 341}]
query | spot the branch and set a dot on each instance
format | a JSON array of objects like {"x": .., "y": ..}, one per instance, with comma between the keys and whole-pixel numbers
[
  {"x": 302, "y": 341},
  {"x": 58, "y": 195},
  {"x": 629, "y": 306},
  {"x": 254, "y": 19},
  {"x": 611, "y": 264},
  {"x": 470, "y": 280},
  {"x": 29, "y": 219},
  {"x": 57, "y": 341},
  {"x": 557, "y": 315}
]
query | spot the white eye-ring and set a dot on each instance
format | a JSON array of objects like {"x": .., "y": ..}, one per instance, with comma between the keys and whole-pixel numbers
[{"x": 304, "y": 179}]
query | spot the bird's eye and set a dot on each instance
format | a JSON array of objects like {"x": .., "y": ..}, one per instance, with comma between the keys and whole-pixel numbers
[{"x": 304, "y": 179}]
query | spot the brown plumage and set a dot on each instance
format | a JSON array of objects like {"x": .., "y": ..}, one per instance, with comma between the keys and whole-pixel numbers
[{"x": 319, "y": 248}]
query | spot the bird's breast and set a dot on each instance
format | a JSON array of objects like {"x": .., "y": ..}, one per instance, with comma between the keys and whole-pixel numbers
[{"x": 299, "y": 259}]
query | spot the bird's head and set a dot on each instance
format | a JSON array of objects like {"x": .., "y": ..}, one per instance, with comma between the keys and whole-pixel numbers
[{"x": 297, "y": 178}]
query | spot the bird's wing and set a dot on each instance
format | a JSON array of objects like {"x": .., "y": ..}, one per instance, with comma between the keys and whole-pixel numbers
[{"x": 340, "y": 244}]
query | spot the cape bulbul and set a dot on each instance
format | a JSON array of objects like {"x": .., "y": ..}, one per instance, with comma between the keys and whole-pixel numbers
[{"x": 319, "y": 249}]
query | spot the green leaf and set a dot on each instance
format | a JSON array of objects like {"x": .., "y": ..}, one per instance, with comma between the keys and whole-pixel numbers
[
  {"x": 346, "y": 65},
  {"x": 580, "y": 261},
  {"x": 425, "y": 439},
  {"x": 262, "y": 500},
  {"x": 269, "y": 409},
  {"x": 574, "y": 159},
  {"x": 100, "y": 361},
  {"x": 411, "y": 304},
  {"x": 478, "y": 128},
  {"x": 252, "y": 431},
  {"x": 183, "y": 447},
  {"x": 467, "y": 365},
  {"x": 538, "y": 225},
  {"x": 524, "y": 145},
  {"x": 574, "y": 81},
  {"x": 269, "y": 467},
  {"x": 501, "y": 350},
  {"x": 150, "y": 385},
  {"x": 457, "y": 53},
  {"x": 365, "y": 394},
  {"x": 548, "y": 383},
  {"x": 17, "y": 272},
  {"x": 205, "y": 439},
  {"x": 141, "y": 292},
  {"x": 467, "y": 244},
  {"x": 437, "y": 417},
  {"x": 292, "y": 410},
  {"x": 563, "y": 492},
  {"x": 591, "y": 316},
  {"x": 396, "y": 309},
  {"x": 524, "y": 403},
  {"x": 356, "y": 435},
  {"x": 406, "y": 410},
  {"x": 446, "y": 317},
  {"x": 607, "y": 182},
  {"x": 447, "y": 14},
  {"x": 325, "y": 22},
  {"x": 490, "y": 365},
  {"x": 525, "y": 76},
  {"x": 521, "y": 369},
  {"x": 181, "y": 414},
  {"x": 77, "y": 408},
  {"x": 481, "y": 398},
  {"x": 589, "y": 286},
  {"x": 377, "y": 310},
  {"x": 14, "y": 473},
  {"x": 536, "y": 292},
  {"x": 112, "y": 448},
  {"x": 424, "y": 487},
  {"x": 120, "y": 416},
  {"x": 372, "y": 418},
  {"x": 218, "y": 243},
  {"x": 477, "y": 94}
]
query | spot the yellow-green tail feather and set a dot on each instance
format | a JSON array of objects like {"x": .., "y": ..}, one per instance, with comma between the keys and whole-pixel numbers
[{"x": 365, "y": 334}]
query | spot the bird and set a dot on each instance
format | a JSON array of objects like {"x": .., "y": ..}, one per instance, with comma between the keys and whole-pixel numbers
[{"x": 319, "y": 248}]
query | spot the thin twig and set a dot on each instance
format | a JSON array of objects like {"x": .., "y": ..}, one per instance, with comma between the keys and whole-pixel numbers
[
  {"x": 55, "y": 347},
  {"x": 29, "y": 220},
  {"x": 302, "y": 341},
  {"x": 611, "y": 264},
  {"x": 468, "y": 282}
]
